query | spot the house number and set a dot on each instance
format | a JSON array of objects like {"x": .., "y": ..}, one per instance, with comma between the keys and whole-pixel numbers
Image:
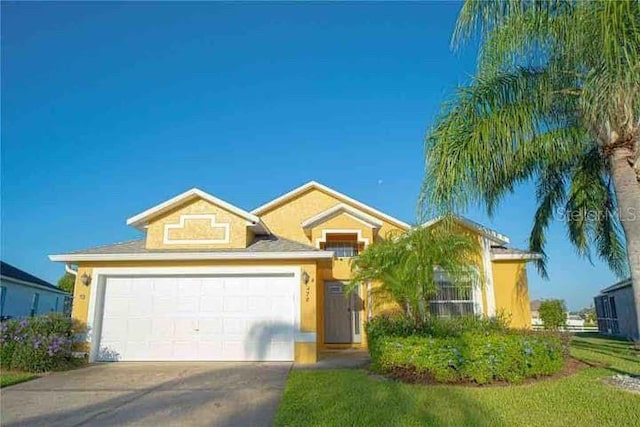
[{"x": 307, "y": 292}]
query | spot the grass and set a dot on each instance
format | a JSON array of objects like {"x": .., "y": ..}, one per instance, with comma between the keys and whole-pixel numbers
[
  {"x": 354, "y": 398},
  {"x": 8, "y": 378}
]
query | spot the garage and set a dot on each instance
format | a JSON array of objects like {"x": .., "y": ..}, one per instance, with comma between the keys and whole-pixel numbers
[{"x": 228, "y": 316}]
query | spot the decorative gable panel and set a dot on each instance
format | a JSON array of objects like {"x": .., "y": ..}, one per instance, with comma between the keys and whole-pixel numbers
[{"x": 198, "y": 224}]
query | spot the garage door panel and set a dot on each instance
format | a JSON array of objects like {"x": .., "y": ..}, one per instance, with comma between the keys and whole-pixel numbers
[
  {"x": 234, "y": 304},
  {"x": 210, "y": 326},
  {"x": 211, "y": 304},
  {"x": 139, "y": 329},
  {"x": 198, "y": 318},
  {"x": 187, "y": 304}
]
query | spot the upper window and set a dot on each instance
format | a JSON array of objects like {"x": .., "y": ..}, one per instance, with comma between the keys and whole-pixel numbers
[
  {"x": 342, "y": 249},
  {"x": 452, "y": 299}
]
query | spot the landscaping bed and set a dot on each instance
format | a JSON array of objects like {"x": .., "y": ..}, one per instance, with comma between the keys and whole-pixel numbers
[
  {"x": 355, "y": 397},
  {"x": 459, "y": 351}
]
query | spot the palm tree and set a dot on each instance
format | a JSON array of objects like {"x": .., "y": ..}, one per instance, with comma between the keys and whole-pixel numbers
[
  {"x": 406, "y": 266},
  {"x": 554, "y": 100}
]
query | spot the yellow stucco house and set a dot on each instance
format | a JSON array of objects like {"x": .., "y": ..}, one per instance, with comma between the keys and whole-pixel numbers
[{"x": 211, "y": 281}]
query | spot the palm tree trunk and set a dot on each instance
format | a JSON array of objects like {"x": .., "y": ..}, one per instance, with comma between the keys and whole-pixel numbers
[{"x": 627, "y": 191}]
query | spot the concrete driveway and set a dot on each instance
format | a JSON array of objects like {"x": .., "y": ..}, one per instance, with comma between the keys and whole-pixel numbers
[{"x": 150, "y": 394}]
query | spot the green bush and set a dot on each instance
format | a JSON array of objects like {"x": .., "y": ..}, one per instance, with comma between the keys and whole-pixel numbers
[
  {"x": 553, "y": 314},
  {"x": 37, "y": 344},
  {"x": 462, "y": 350},
  {"x": 401, "y": 326}
]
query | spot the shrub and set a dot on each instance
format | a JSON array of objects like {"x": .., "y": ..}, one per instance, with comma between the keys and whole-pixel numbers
[
  {"x": 553, "y": 314},
  {"x": 401, "y": 326},
  {"x": 37, "y": 344},
  {"x": 462, "y": 350}
]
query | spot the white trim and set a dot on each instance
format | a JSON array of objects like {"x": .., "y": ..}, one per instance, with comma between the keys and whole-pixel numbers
[
  {"x": 177, "y": 256},
  {"x": 181, "y": 224},
  {"x": 139, "y": 219},
  {"x": 313, "y": 184},
  {"x": 488, "y": 277},
  {"x": 306, "y": 337},
  {"x": 508, "y": 257},
  {"x": 96, "y": 298},
  {"x": 356, "y": 314},
  {"x": 38, "y": 286},
  {"x": 70, "y": 270},
  {"x": 487, "y": 232},
  {"x": 323, "y": 239},
  {"x": 336, "y": 210}
]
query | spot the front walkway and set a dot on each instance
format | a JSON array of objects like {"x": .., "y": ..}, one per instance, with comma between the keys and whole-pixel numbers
[
  {"x": 150, "y": 394},
  {"x": 339, "y": 359}
]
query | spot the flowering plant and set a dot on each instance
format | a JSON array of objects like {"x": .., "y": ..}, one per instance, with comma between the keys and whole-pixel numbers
[{"x": 37, "y": 344}]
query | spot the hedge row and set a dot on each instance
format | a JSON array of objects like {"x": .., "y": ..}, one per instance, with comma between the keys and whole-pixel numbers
[
  {"x": 474, "y": 351},
  {"x": 37, "y": 344}
]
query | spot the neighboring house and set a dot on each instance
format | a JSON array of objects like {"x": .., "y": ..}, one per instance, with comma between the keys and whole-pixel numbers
[
  {"x": 535, "y": 309},
  {"x": 23, "y": 295},
  {"x": 616, "y": 312},
  {"x": 211, "y": 281}
]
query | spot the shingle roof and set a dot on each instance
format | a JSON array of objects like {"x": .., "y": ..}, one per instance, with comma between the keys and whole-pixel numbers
[
  {"x": 11, "y": 272},
  {"x": 503, "y": 250},
  {"x": 619, "y": 285},
  {"x": 260, "y": 244}
]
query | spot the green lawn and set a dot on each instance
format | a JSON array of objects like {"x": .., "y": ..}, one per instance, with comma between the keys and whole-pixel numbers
[
  {"x": 8, "y": 378},
  {"x": 353, "y": 398}
]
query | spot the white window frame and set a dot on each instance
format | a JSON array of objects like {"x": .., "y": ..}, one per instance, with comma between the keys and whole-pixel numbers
[{"x": 476, "y": 291}]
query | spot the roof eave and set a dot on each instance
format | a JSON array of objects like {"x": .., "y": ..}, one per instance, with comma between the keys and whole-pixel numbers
[
  {"x": 34, "y": 285},
  {"x": 513, "y": 257},
  {"x": 139, "y": 221},
  {"x": 314, "y": 184},
  {"x": 340, "y": 208},
  {"x": 486, "y": 232},
  {"x": 161, "y": 256}
]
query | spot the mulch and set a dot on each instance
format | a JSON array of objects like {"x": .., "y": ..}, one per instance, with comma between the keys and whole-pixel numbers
[{"x": 408, "y": 374}]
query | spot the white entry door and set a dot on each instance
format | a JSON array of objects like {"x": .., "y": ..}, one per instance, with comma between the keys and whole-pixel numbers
[{"x": 233, "y": 317}]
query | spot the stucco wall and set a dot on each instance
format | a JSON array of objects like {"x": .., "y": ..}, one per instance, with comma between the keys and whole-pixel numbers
[
  {"x": 511, "y": 291},
  {"x": 199, "y": 229},
  {"x": 19, "y": 298}
]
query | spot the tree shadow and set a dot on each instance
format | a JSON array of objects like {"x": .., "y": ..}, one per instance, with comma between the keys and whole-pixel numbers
[
  {"x": 242, "y": 394},
  {"x": 270, "y": 341},
  {"x": 607, "y": 350}
]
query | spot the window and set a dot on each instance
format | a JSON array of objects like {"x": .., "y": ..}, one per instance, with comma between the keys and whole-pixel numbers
[
  {"x": 452, "y": 299},
  {"x": 34, "y": 304},
  {"x": 342, "y": 249},
  {"x": 607, "y": 315},
  {"x": 3, "y": 296}
]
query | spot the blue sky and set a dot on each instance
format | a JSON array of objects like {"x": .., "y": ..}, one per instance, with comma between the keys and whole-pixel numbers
[{"x": 108, "y": 109}]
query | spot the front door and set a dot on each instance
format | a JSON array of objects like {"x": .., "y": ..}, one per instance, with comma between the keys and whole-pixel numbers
[{"x": 341, "y": 315}]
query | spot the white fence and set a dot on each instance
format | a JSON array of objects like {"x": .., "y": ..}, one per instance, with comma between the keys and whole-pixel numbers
[{"x": 573, "y": 325}]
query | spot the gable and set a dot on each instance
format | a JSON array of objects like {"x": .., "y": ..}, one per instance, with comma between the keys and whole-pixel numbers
[
  {"x": 286, "y": 218},
  {"x": 198, "y": 224}
]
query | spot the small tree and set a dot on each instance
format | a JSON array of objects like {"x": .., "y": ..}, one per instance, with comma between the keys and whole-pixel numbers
[
  {"x": 67, "y": 282},
  {"x": 406, "y": 265},
  {"x": 553, "y": 313}
]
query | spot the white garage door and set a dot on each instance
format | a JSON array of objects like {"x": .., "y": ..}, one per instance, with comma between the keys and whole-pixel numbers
[{"x": 230, "y": 317}]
